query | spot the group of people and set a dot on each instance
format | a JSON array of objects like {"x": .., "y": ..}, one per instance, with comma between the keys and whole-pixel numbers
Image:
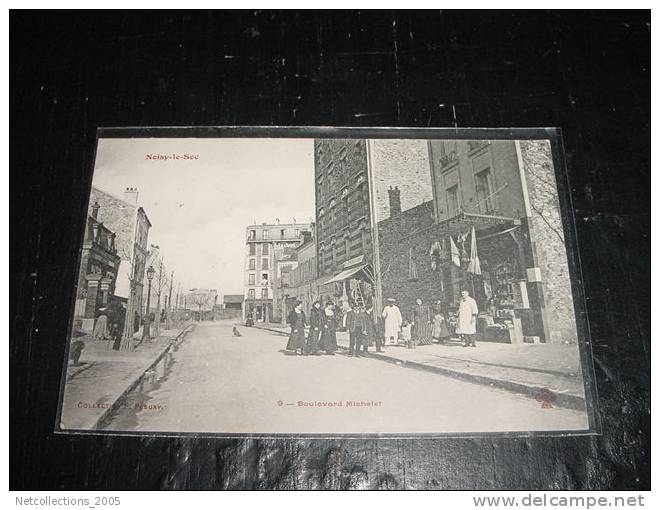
[
  {"x": 423, "y": 325},
  {"x": 322, "y": 324}
]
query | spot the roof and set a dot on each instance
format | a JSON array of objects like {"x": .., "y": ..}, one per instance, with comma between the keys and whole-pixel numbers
[{"x": 233, "y": 298}]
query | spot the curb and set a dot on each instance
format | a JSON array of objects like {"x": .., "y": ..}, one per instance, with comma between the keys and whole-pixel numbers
[
  {"x": 101, "y": 422},
  {"x": 574, "y": 402}
]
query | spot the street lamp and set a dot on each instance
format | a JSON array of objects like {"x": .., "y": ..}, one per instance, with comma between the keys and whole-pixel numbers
[{"x": 147, "y": 317}]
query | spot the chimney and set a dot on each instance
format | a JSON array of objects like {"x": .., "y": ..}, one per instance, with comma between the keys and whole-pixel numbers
[
  {"x": 131, "y": 195},
  {"x": 95, "y": 210},
  {"x": 395, "y": 201}
]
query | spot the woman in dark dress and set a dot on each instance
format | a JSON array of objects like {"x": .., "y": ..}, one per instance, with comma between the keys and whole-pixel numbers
[
  {"x": 328, "y": 341},
  {"x": 421, "y": 321},
  {"x": 297, "y": 335},
  {"x": 315, "y": 325}
]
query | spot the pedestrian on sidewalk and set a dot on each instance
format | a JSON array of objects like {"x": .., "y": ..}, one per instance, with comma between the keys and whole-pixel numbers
[
  {"x": 328, "y": 342},
  {"x": 406, "y": 335},
  {"x": 315, "y": 325},
  {"x": 100, "y": 331},
  {"x": 373, "y": 335},
  {"x": 466, "y": 326},
  {"x": 357, "y": 330},
  {"x": 297, "y": 336},
  {"x": 421, "y": 322},
  {"x": 392, "y": 316},
  {"x": 440, "y": 331}
]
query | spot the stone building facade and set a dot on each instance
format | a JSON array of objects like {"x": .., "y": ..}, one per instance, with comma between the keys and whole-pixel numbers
[
  {"x": 505, "y": 191},
  {"x": 264, "y": 244},
  {"x": 130, "y": 224},
  {"x": 304, "y": 277},
  {"x": 97, "y": 276},
  {"x": 285, "y": 262},
  {"x": 547, "y": 239}
]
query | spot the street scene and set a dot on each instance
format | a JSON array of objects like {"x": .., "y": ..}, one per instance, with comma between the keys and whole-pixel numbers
[
  {"x": 323, "y": 286},
  {"x": 293, "y": 394}
]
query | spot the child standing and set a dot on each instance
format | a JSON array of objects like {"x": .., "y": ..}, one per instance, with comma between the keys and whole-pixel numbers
[
  {"x": 440, "y": 330},
  {"x": 406, "y": 334}
]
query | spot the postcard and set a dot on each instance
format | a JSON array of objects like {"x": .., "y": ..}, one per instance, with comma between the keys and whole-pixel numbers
[{"x": 322, "y": 282}]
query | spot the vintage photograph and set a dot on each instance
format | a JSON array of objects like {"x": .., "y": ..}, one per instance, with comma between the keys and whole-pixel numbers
[{"x": 339, "y": 286}]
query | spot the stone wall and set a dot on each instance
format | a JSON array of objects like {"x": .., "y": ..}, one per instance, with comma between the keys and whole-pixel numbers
[
  {"x": 403, "y": 236},
  {"x": 119, "y": 216},
  {"x": 547, "y": 235}
]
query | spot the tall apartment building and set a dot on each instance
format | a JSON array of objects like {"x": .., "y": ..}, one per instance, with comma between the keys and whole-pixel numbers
[
  {"x": 264, "y": 245},
  {"x": 343, "y": 218}
]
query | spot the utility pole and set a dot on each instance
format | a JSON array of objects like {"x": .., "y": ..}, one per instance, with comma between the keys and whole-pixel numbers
[
  {"x": 160, "y": 290},
  {"x": 169, "y": 302}
]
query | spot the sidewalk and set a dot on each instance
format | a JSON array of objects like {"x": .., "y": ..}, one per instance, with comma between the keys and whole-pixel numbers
[
  {"x": 105, "y": 375},
  {"x": 548, "y": 372}
]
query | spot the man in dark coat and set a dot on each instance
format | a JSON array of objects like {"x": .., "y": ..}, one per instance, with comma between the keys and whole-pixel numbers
[
  {"x": 357, "y": 330},
  {"x": 315, "y": 326},
  {"x": 328, "y": 342},
  {"x": 297, "y": 336},
  {"x": 373, "y": 331}
]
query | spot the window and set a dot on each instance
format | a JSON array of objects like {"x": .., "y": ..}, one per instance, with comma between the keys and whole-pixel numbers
[
  {"x": 251, "y": 293},
  {"x": 264, "y": 249},
  {"x": 253, "y": 235},
  {"x": 251, "y": 279},
  {"x": 264, "y": 234},
  {"x": 452, "y": 200},
  {"x": 264, "y": 263},
  {"x": 297, "y": 232},
  {"x": 264, "y": 277},
  {"x": 283, "y": 233},
  {"x": 252, "y": 264},
  {"x": 264, "y": 293},
  {"x": 253, "y": 249},
  {"x": 484, "y": 199}
]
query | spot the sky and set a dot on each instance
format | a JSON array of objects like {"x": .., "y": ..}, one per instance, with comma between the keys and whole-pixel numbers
[{"x": 199, "y": 209}]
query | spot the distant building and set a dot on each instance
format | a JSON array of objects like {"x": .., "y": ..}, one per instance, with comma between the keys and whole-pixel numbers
[
  {"x": 285, "y": 262},
  {"x": 97, "y": 277},
  {"x": 200, "y": 302},
  {"x": 233, "y": 301},
  {"x": 264, "y": 244},
  {"x": 230, "y": 308},
  {"x": 304, "y": 285},
  {"x": 130, "y": 224}
]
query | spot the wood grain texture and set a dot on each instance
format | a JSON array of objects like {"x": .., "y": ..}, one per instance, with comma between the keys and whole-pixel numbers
[{"x": 588, "y": 73}]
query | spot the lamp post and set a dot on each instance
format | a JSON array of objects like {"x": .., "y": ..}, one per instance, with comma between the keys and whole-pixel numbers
[{"x": 147, "y": 316}]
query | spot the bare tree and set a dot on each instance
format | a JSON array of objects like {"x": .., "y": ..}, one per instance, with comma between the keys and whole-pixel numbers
[
  {"x": 160, "y": 282},
  {"x": 199, "y": 300}
]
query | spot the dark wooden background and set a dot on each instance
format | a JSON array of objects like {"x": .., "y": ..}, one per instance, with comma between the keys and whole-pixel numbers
[{"x": 586, "y": 72}]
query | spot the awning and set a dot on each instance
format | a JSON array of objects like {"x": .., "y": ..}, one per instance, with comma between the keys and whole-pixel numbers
[
  {"x": 463, "y": 222},
  {"x": 347, "y": 273}
]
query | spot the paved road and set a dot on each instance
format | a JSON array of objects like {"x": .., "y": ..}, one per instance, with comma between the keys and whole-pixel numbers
[{"x": 216, "y": 382}]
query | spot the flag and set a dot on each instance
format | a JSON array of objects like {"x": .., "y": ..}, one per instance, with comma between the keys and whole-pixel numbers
[
  {"x": 412, "y": 268},
  {"x": 474, "y": 267},
  {"x": 455, "y": 257}
]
